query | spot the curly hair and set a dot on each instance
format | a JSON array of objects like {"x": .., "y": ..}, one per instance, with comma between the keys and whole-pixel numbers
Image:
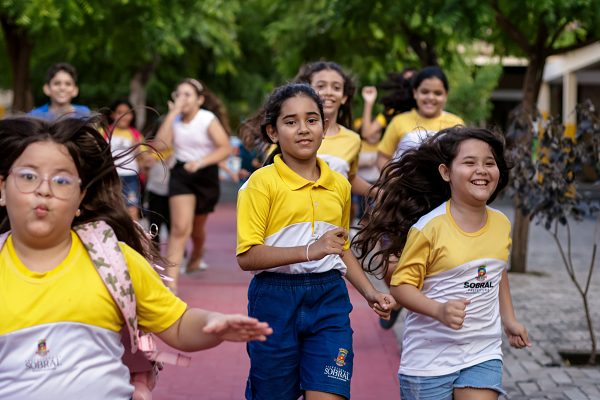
[
  {"x": 96, "y": 168},
  {"x": 411, "y": 187},
  {"x": 305, "y": 75}
]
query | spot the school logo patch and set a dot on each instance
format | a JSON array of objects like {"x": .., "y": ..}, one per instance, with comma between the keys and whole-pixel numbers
[
  {"x": 42, "y": 348},
  {"x": 40, "y": 361},
  {"x": 481, "y": 273},
  {"x": 340, "y": 360},
  {"x": 482, "y": 283}
]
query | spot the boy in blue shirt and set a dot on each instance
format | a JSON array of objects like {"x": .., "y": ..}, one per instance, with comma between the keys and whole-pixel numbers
[{"x": 61, "y": 88}]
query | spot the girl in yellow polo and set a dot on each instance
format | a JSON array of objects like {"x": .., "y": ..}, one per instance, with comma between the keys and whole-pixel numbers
[{"x": 293, "y": 220}]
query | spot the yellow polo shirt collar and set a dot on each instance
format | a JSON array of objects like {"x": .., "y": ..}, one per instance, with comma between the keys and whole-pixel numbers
[{"x": 295, "y": 181}]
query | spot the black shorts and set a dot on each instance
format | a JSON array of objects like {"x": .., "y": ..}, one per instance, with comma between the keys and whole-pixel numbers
[{"x": 204, "y": 184}]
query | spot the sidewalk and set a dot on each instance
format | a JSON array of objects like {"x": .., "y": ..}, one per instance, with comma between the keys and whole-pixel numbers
[{"x": 220, "y": 373}]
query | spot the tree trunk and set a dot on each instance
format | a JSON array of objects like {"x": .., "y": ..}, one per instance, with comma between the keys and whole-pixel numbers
[
  {"x": 137, "y": 97},
  {"x": 19, "y": 48},
  {"x": 527, "y": 114},
  {"x": 520, "y": 239},
  {"x": 137, "y": 91}
]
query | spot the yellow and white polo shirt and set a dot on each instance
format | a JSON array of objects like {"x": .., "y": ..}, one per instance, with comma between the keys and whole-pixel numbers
[
  {"x": 340, "y": 151},
  {"x": 409, "y": 130},
  {"x": 277, "y": 207},
  {"x": 446, "y": 263}
]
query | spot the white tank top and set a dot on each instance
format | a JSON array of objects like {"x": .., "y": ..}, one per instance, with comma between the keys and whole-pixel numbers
[{"x": 191, "y": 140}]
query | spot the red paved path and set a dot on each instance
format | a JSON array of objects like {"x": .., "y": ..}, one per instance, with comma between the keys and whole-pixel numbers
[{"x": 220, "y": 373}]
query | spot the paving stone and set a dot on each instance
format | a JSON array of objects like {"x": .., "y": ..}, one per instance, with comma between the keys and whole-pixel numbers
[
  {"x": 528, "y": 388},
  {"x": 576, "y": 394}
]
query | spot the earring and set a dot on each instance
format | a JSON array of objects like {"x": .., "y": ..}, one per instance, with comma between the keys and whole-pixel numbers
[
  {"x": 78, "y": 212},
  {"x": 2, "y": 202}
]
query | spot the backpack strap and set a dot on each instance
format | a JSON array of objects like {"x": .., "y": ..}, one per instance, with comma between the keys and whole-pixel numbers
[
  {"x": 3, "y": 238},
  {"x": 102, "y": 245}
]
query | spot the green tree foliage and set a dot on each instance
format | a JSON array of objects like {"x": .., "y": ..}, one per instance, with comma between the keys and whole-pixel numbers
[
  {"x": 113, "y": 42},
  {"x": 470, "y": 90}
]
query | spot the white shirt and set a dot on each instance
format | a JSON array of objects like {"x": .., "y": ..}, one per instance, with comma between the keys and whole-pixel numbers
[{"x": 191, "y": 140}]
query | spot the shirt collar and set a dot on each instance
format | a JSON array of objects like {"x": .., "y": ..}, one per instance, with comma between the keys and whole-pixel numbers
[{"x": 295, "y": 181}]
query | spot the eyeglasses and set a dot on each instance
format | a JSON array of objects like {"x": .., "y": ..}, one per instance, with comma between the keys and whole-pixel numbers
[{"x": 62, "y": 186}]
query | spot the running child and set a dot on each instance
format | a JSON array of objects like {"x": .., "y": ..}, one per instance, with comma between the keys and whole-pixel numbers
[
  {"x": 432, "y": 209},
  {"x": 59, "y": 326},
  {"x": 124, "y": 136},
  {"x": 409, "y": 129},
  {"x": 341, "y": 146},
  {"x": 293, "y": 221},
  {"x": 61, "y": 88},
  {"x": 197, "y": 131}
]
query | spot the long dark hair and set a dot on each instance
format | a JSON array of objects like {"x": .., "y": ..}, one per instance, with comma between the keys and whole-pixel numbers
[
  {"x": 92, "y": 156},
  {"x": 305, "y": 75},
  {"x": 211, "y": 102},
  {"x": 398, "y": 97},
  {"x": 411, "y": 187},
  {"x": 272, "y": 108}
]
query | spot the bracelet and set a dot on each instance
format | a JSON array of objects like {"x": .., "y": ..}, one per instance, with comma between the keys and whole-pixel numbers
[{"x": 307, "y": 247}]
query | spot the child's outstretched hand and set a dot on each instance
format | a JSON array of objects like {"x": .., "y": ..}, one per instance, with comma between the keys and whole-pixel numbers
[
  {"x": 381, "y": 303},
  {"x": 237, "y": 328},
  {"x": 331, "y": 242},
  {"x": 452, "y": 313},
  {"x": 517, "y": 334}
]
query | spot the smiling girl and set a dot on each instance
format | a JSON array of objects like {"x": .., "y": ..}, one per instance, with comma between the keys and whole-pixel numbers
[
  {"x": 409, "y": 129},
  {"x": 341, "y": 146},
  {"x": 432, "y": 209}
]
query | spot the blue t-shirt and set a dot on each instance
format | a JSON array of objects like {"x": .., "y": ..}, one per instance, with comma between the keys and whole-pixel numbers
[{"x": 43, "y": 112}]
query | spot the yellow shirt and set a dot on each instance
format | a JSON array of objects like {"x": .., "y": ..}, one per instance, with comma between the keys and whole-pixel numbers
[
  {"x": 74, "y": 291},
  {"x": 60, "y": 330},
  {"x": 277, "y": 207},
  {"x": 340, "y": 151},
  {"x": 409, "y": 129},
  {"x": 446, "y": 263}
]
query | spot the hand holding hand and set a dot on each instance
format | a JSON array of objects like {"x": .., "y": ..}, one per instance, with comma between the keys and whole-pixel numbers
[
  {"x": 517, "y": 334},
  {"x": 369, "y": 94},
  {"x": 381, "y": 303},
  {"x": 452, "y": 313},
  {"x": 237, "y": 328},
  {"x": 331, "y": 242}
]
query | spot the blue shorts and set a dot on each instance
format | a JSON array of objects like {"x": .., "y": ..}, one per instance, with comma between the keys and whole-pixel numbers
[
  {"x": 485, "y": 375},
  {"x": 311, "y": 344},
  {"x": 131, "y": 190}
]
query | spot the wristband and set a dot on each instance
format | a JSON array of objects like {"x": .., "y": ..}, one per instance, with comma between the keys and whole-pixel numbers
[{"x": 307, "y": 247}]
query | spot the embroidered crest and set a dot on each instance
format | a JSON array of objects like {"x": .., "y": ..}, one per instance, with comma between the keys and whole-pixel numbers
[
  {"x": 42, "y": 348},
  {"x": 340, "y": 361},
  {"x": 481, "y": 273}
]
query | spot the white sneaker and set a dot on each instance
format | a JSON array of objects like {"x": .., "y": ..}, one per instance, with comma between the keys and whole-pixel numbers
[{"x": 201, "y": 267}]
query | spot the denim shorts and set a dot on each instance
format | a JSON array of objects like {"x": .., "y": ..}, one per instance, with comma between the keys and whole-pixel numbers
[
  {"x": 311, "y": 344},
  {"x": 486, "y": 375},
  {"x": 131, "y": 189}
]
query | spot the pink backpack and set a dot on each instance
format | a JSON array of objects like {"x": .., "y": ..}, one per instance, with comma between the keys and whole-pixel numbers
[{"x": 101, "y": 243}]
